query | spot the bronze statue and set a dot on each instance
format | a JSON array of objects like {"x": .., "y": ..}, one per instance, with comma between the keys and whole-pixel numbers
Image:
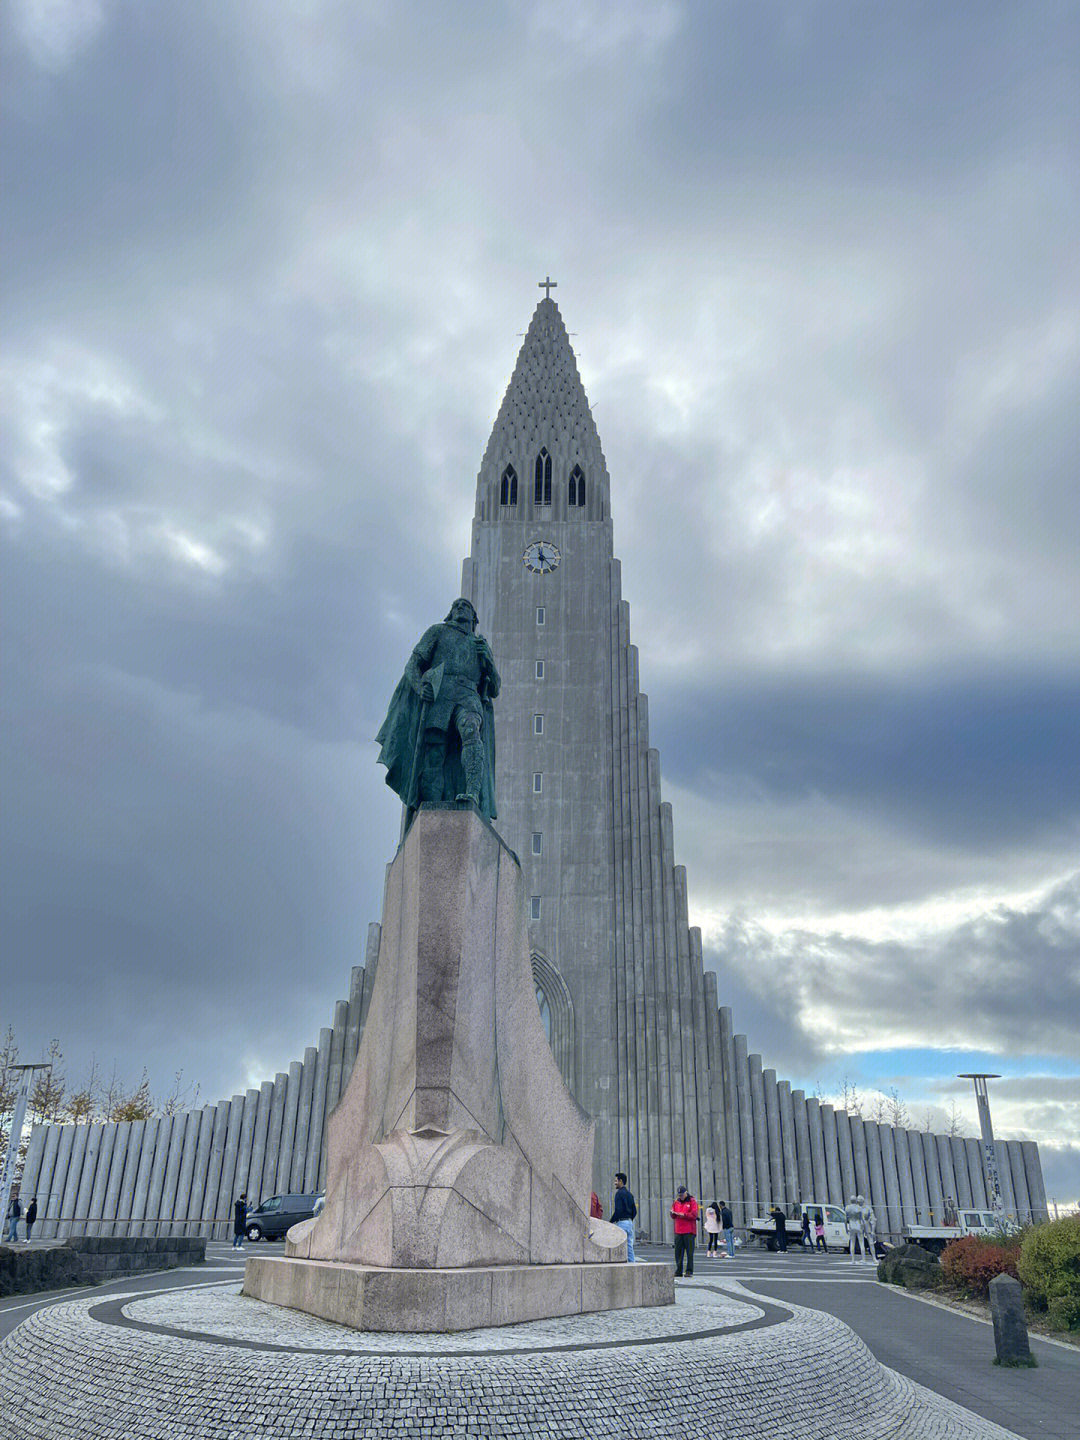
[{"x": 438, "y": 738}]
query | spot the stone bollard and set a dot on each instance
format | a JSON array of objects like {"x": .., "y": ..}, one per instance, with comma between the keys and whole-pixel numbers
[{"x": 1010, "y": 1327}]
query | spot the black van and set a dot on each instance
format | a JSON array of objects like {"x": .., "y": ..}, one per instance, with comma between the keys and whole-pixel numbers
[{"x": 274, "y": 1216}]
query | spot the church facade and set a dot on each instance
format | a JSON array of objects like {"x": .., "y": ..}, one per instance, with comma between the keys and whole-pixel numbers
[{"x": 633, "y": 1015}]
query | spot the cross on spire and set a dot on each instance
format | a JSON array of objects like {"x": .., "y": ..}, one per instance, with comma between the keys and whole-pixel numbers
[{"x": 547, "y": 285}]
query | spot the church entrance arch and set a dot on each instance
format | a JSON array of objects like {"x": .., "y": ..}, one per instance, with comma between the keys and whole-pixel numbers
[{"x": 557, "y": 1012}]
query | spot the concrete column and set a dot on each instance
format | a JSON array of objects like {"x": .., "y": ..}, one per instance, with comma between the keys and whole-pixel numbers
[
  {"x": 875, "y": 1169},
  {"x": 101, "y": 1179},
  {"x": 71, "y": 1176},
  {"x": 819, "y": 1178},
  {"x": 111, "y": 1203},
  {"x": 288, "y": 1126},
  {"x": 208, "y": 1212},
  {"x": 904, "y": 1167},
  {"x": 60, "y": 1176},
  {"x": 919, "y": 1180},
  {"x": 892, "y": 1221},
  {"x": 246, "y": 1141},
  {"x": 804, "y": 1157},
  {"x": 717, "y": 1103},
  {"x": 1036, "y": 1188},
  {"x": 167, "y": 1206},
  {"x": 1008, "y": 1195},
  {"x": 32, "y": 1166},
  {"x": 677, "y": 1039},
  {"x": 337, "y": 1053},
  {"x": 977, "y": 1171},
  {"x": 700, "y": 1012},
  {"x": 303, "y": 1119},
  {"x": 318, "y": 1115},
  {"x": 950, "y": 1185},
  {"x": 763, "y": 1186},
  {"x": 227, "y": 1191},
  {"x": 777, "y": 1190},
  {"x": 748, "y": 1156},
  {"x": 790, "y": 1176},
  {"x": 858, "y": 1149},
  {"x": 835, "y": 1192},
  {"x": 273, "y": 1135},
  {"x": 147, "y": 1150},
  {"x": 256, "y": 1194},
  {"x": 352, "y": 1029},
  {"x": 48, "y": 1199},
  {"x": 1014, "y": 1159},
  {"x": 662, "y": 1181},
  {"x": 844, "y": 1125},
  {"x": 192, "y": 1126},
  {"x": 131, "y": 1172},
  {"x": 636, "y": 877},
  {"x": 730, "y": 1112},
  {"x": 934, "y": 1193},
  {"x": 153, "y": 1226},
  {"x": 965, "y": 1199},
  {"x": 199, "y": 1169},
  {"x": 371, "y": 965}
]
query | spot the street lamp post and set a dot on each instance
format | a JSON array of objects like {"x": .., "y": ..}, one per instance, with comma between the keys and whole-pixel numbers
[
  {"x": 18, "y": 1118},
  {"x": 986, "y": 1130}
]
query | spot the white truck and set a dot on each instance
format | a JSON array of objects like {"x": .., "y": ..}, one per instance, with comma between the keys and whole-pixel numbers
[
  {"x": 762, "y": 1227},
  {"x": 968, "y": 1222}
]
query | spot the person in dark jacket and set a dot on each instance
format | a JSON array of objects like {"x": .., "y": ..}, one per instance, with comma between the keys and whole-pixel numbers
[
  {"x": 239, "y": 1224},
  {"x": 14, "y": 1215},
  {"x": 31, "y": 1216},
  {"x": 779, "y": 1219},
  {"x": 727, "y": 1225},
  {"x": 806, "y": 1240},
  {"x": 624, "y": 1213}
]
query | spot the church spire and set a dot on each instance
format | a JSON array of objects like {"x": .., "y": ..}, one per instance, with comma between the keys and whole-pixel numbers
[{"x": 544, "y": 454}]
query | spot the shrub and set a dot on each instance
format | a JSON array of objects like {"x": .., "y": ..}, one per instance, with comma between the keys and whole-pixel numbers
[
  {"x": 1050, "y": 1261},
  {"x": 1063, "y": 1312},
  {"x": 971, "y": 1262}
]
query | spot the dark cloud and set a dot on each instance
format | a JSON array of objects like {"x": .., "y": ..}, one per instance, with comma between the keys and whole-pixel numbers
[{"x": 263, "y": 283}]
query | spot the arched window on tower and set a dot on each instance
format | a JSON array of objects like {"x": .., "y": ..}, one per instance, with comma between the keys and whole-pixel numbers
[
  {"x": 577, "y": 486},
  {"x": 508, "y": 487},
  {"x": 542, "y": 490}
]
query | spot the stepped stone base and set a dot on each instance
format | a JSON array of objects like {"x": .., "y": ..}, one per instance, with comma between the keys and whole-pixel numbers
[{"x": 367, "y": 1298}]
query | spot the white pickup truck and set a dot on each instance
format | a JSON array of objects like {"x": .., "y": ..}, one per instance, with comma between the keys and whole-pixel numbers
[
  {"x": 836, "y": 1236},
  {"x": 968, "y": 1222}
]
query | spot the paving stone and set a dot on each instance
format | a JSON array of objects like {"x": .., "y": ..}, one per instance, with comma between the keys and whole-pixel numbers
[{"x": 231, "y": 1368}]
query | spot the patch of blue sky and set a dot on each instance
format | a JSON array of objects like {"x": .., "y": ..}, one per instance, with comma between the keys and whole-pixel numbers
[{"x": 911, "y": 1068}]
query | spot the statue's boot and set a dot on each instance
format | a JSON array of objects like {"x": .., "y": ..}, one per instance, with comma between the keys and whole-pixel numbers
[{"x": 472, "y": 762}]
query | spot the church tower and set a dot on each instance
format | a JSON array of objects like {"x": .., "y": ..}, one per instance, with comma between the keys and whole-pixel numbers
[{"x": 618, "y": 970}]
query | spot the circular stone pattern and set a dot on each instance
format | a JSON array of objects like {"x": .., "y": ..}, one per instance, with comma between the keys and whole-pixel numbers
[{"x": 208, "y": 1364}]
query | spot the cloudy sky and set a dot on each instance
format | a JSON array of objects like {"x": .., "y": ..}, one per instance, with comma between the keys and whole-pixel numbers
[{"x": 266, "y": 267}]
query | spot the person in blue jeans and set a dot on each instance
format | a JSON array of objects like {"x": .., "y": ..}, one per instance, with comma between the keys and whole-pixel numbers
[
  {"x": 727, "y": 1225},
  {"x": 13, "y": 1216},
  {"x": 624, "y": 1213}
]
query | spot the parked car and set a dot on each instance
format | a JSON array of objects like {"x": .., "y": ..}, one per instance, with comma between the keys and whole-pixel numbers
[
  {"x": 763, "y": 1228},
  {"x": 272, "y": 1218}
]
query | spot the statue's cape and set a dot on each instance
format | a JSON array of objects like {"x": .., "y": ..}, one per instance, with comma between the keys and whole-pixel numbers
[{"x": 399, "y": 736}]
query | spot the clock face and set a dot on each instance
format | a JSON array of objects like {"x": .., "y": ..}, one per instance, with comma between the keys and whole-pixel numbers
[{"x": 541, "y": 556}]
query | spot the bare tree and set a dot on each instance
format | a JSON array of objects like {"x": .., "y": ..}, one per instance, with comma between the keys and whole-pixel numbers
[
  {"x": 138, "y": 1105},
  {"x": 50, "y": 1088},
  {"x": 955, "y": 1125},
  {"x": 896, "y": 1112},
  {"x": 851, "y": 1100}
]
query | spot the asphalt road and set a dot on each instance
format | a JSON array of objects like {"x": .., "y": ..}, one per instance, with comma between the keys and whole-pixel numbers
[
  {"x": 947, "y": 1352},
  {"x": 944, "y": 1350}
]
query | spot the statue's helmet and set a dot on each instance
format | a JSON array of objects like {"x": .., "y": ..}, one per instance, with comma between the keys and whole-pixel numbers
[{"x": 472, "y": 610}]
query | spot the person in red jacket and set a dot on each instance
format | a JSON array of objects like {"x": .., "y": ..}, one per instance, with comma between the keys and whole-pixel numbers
[{"x": 684, "y": 1211}]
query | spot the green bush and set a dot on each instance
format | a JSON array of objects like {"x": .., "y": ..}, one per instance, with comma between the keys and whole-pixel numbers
[
  {"x": 971, "y": 1262},
  {"x": 1050, "y": 1262},
  {"x": 1063, "y": 1312}
]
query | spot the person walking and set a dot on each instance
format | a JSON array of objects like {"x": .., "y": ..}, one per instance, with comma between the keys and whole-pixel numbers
[
  {"x": 684, "y": 1212},
  {"x": 624, "y": 1213},
  {"x": 712, "y": 1228},
  {"x": 727, "y": 1225},
  {"x": 819, "y": 1231},
  {"x": 239, "y": 1224},
  {"x": 779, "y": 1220},
  {"x": 806, "y": 1239},
  {"x": 13, "y": 1217},
  {"x": 31, "y": 1216}
]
